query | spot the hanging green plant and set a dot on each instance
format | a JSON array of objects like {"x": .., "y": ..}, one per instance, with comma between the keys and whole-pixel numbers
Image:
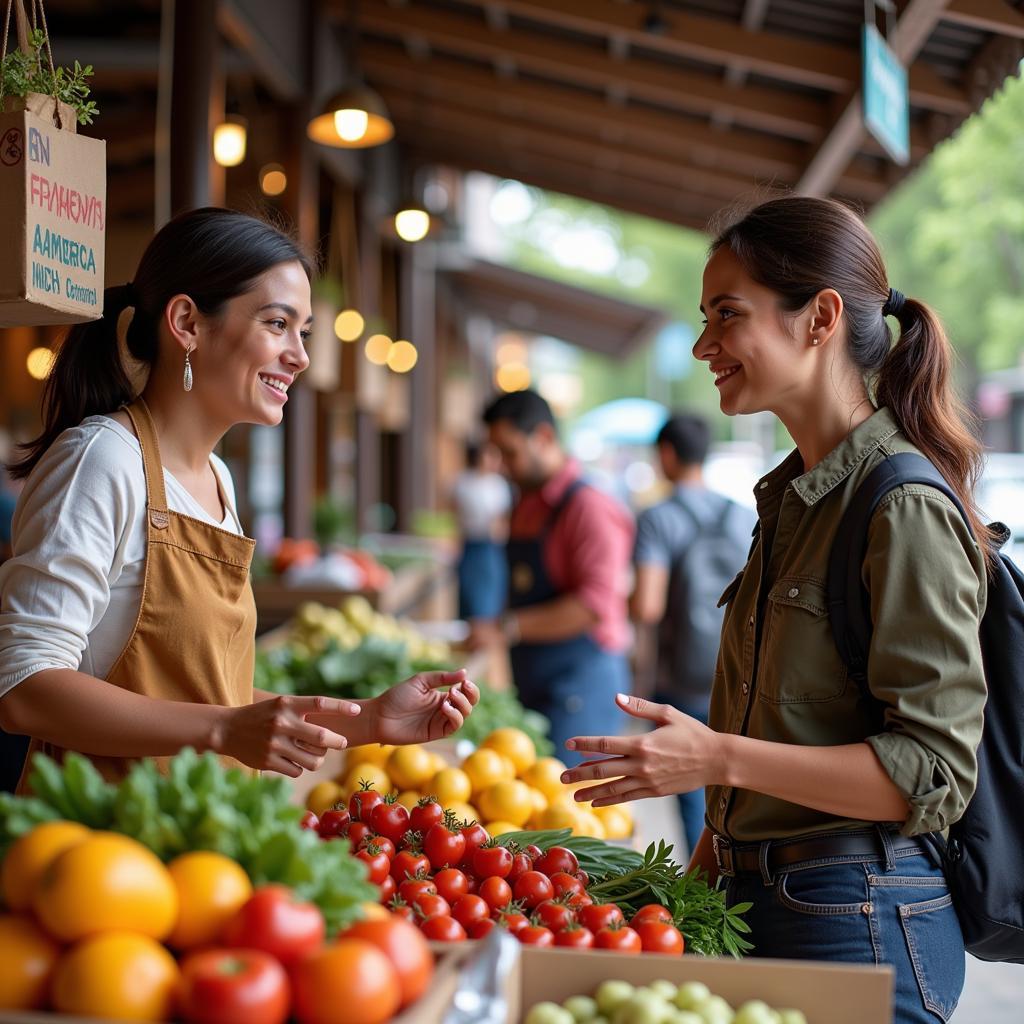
[{"x": 23, "y": 73}]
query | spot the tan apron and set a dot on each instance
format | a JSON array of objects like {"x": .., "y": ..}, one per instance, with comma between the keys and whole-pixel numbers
[{"x": 194, "y": 638}]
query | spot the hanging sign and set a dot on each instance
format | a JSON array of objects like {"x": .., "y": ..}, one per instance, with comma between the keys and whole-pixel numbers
[{"x": 886, "y": 97}]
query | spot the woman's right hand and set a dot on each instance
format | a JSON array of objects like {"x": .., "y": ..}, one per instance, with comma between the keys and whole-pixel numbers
[{"x": 274, "y": 735}]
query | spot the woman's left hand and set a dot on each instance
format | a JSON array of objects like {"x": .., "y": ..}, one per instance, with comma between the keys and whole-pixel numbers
[
  {"x": 417, "y": 711},
  {"x": 677, "y": 756}
]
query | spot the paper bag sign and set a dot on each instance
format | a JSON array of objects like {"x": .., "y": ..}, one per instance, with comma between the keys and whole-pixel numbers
[{"x": 53, "y": 216}]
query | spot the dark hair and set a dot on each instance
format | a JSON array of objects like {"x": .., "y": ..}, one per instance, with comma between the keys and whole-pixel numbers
[
  {"x": 798, "y": 246},
  {"x": 525, "y": 410},
  {"x": 689, "y": 436},
  {"x": 211, "y": 255}
]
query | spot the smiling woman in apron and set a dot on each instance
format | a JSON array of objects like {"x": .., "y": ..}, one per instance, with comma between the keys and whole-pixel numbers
[{"x": 127, "y": 623}]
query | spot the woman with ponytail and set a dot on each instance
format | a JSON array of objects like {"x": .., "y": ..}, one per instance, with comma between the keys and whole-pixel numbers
[
  {"x": 127, "y": 622},
  {"x": 820, "y": 793}
]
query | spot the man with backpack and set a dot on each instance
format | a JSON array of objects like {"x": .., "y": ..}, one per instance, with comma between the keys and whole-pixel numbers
[{"x": 687, "y": 550}]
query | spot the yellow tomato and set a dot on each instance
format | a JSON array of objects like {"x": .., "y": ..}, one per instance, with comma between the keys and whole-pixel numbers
[
  {"x": 499, "y": 828},
  {"x": 486, "y": 767},
  {"x": 590, "y": 825},
  {"x": 437, "y": 762},
  {"x": 507, "y": 801},
  {"x": 450, "y": 784},
  {"x": 324, "y": 795},
  {"x": 540, "y": 801},
  {"x": 617, "y": 821},
  {"x": 118, "y": 976},
  {"x": 370, "y": 753},
  {"x": 561, "y": 815},
  {"x": 211, "y": 889},
  {"x": 29, "y": 857},
  {"x": 28, "y": 956},
  {"x": 409, "y": 798},
  {"x": 366, "y": 771},
  {"x": 515, "y": 745},
  {"x": 462, "y": 810},
  {"x": 410, "y": 767},
  {"x": 545, "y": 775},
  {"x": 107, "y": 882}
]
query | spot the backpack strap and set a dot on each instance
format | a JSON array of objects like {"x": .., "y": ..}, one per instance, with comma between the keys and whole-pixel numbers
[{"x": 848, "y": 600}]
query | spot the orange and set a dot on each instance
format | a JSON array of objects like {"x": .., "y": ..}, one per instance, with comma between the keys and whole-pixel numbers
[
  {"x": 546, "y": 775},
  {"x": 410, "y": 767},
  {"x": 509, "y": 800},
  {"x": 323, "y": 796},
  {"x": 211, "y": 889},
  {"x": 348, "y": 982},
  {"x": 450, "y": 785},
  {"x": 28, "y": 956},
  {"x": 117, "y": 976},
  {"x": 29, "y": 857},
  {"x": 107, "y": 882},
  {"x": 485, "y": 767},
  {"x": 515, "y": 745}
]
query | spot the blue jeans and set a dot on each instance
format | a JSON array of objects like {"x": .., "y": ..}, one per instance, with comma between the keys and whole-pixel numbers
[
  {"x": 865, "y": 913},
  {"x": 691, "y": 805}
]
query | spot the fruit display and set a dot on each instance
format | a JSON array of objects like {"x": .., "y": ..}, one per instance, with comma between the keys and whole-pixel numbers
[
  {"x": 661, "y": 1002},
  {"x": 503, "y": 784},
  {"x": 96, "y": 925},
  {"x": 299, "y": 560}
]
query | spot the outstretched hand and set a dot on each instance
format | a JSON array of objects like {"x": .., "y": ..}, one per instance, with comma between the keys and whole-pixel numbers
[
  {"x": 418, "y": 710},
  {"x": 679, "y": 755}
]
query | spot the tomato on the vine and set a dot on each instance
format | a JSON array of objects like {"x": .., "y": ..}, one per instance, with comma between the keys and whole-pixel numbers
[
  {"x": 388, "y": 888},
  {"x": 427, "y": 813},
  {"x": 511, "y": 918},
  {"x": 521, "y": 863},
  {"x": 443, "y": 928},
  {"x": 599, "y": 915},
  {"x": 476, "y": 835},
  {"x": 390, "y": 819},
  {"x": 470, "y": 909},
  {"x": 400, "y": 908},
  {"x": 409, "y": 864},
  {"x": 382, "y": 843},
  {"x": 496, "y": 892},
  {"x": 651, "y": 912},
  {"x": 583, "y": 877},
  {"x": 532, "y": 888},
  {"x": 362, "y": 804},
  {"x": 274, "y": 921},
  {"x": 575, "y": 937},
  {"x": 334, "y": 821},
  {"x": 563, "y": 883},
  {"x": 660, "y": 937},
  {"x": 554, "y": 915},
  {"x": 357, "y": 832},
  {"x": 558, "y": 858},
  {"x": 311, "y": 821},
  {"x": 472, "y": 882},
  {"x": 620, "y": 938},
  {"x": 233, "y": 986},
  {"x": 429, "y": 904},
  {"x": 492, "y": 862},
  {"x": 416, "y": 886},
  {"x": 480, "y": 929},
  {"x": 533, "y": 852},
  {"x": 376, "y": 862},
  {"x": 536, "y": 935},
  {"x": 444, "y": 847},
  {"x": 451, "y": 884}
]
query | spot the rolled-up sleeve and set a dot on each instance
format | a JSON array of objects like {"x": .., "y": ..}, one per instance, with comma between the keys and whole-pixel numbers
[{"x": 926, "y": 577}]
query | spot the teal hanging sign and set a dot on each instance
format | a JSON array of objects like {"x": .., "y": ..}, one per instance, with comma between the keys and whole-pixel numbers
[{"x": 886, "y": 97}]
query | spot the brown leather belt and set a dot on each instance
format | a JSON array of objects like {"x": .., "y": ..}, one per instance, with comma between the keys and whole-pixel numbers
[{"x": 775, "y": 856}]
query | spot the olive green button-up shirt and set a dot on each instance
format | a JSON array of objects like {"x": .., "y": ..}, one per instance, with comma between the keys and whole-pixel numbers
[{"x": 927, "y": 584}]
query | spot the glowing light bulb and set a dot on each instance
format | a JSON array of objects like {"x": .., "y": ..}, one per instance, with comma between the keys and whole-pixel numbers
[{"x": 350, "y": 124}]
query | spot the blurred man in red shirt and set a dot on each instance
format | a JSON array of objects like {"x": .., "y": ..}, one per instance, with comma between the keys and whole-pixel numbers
[{"x": 569, "y": 552}]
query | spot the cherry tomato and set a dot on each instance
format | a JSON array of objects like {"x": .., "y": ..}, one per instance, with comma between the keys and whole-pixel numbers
[
  {"x": 409, "y": 864},
  {"x": 357, "y": 832},
  {"x": 310, "y": 821},
  {"x": 521, "y": 863},
  {"x": 599, "y": 915},
  {"x": 620, "y": 938},
  {"x": 511, "y": 919},
  {"x": 496, "y": 892},
  {"x": 429, "y": 904},
  {"x": 554, "y": 915},
  {"x": 480, "y": 929},
  {"x": 565, "y": 883},
  {"x": 451, "y": 884},
  {"x": 469, "y": 909},
  {"x": 273, "y": 921},
  {"x": 492, "y": 862},
  {"x": 229, "y": 986},
  {"x": 427, "y": 813},
  {"x": 651, "y": 912},
  {"x": 391, "y": 820},
  {"x": 579, "y": 900},
  {"x": 412, "y": 840},
  {"x": 400, "y": 908},
  {"x": 536, "y": 935},
  {"x": 472, "y": 882},
  {"x": 334, "y": 822},
  {"x": 533, "y": 888},
  {"x": 533, "y": 852},
  {"x": 476, "y": 835},
  {"x": 362, "y": 804},
  {"x": 583, "y": 877},
  {"x": 388, "y": 888},
  {"x": 412, "y": 888},
  {"x": 575, "y": 937},
  {"x": 377, "y": 863},
  {"x": 443, "y": 928},
  {"x": 558, "y": 858},
  {"x": 382, "y": 843},
  {"x": 659, "y": 937},
  {"x": 444, "y": 847}
]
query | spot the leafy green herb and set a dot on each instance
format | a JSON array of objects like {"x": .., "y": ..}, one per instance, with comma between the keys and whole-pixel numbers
[
  {"x": 198, "y": 805},
  {"x": 22, "y": 73}
]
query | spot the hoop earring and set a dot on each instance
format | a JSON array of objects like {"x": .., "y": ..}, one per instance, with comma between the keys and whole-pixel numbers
[{"x": 186, "y": 381}]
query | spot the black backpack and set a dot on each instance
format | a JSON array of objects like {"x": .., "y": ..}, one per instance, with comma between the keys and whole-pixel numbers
[{"x": 984, "y": 856}]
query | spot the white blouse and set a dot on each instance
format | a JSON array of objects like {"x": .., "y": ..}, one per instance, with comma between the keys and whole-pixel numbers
[{"x": 70, "y": 596}]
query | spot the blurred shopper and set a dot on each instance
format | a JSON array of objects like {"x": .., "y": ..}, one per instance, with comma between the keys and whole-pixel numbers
[
  {"x": 827, "y": 795},
  {"x": 482, "y": 501},
  {"x": 568, "y": 557},
  {"x": 688, "y": 549}
]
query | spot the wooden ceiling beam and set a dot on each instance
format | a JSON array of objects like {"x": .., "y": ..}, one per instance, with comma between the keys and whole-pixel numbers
[{"x": 995, "y": 16}]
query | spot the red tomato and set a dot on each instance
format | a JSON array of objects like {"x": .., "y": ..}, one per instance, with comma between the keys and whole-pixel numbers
[
  {"x": 358, "y": 831},
  {"x": 533, "y": 888},
  {"x": 579, "y": 900},
  {"x": 362, "y": 804},
  {"x": 271, "y": 920},
  {"x": 444, "y": 847},
  {"x": 476, "y": 835},
  {"x": 533, "y": 852},
  {"x": 311, "y": 821},
  {"x": 496, "y": 891},
  {"x": 401, "y": 909},
  {"x": 405, "y": 947},
  {"x": 451, "y": 884},
  {"x": 425, "y": 814},
  {"x": 575, "y": 937},
  {"x": 620, "y": 938},
  {"x": 536, "y": 935},
  {"x": 599, "y": 915},
  {"x": 431, "y": 905},
  {"x": 511, "y": 919},
  {"x": 558, "y": 858},
  {"x": 659, "y": 937},
  {"x": 565, "y": 883},
  {"x": 350, "y": 980},
  {"x": 472, "y": 882},
  {"x": 388, "y": 888},
  {"x": 480, "y": 929},
  {"x": 334, "y": 822},
  {"x": 409, "y": 864},
  {"x": 470, "y": 909},
  {"x": 391, "y": 820},
  {"x": 376, "y": 862},
  {"x": 583, "y": 877},
  {"x": 651, "y": 912},
  {"x": 412, "y": 888},
  {"x": 554, "y": 915},
  {"x": 492, "y": 862},
  {"x": 521, "y": 863},
  {"x": 443, "y": 928},
  {"x": 382, "y": 843},
  {"x": 221, "y": 986}
]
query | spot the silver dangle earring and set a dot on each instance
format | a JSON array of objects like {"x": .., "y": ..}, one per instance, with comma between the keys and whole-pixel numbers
[{"x": 186, "y": 382}]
